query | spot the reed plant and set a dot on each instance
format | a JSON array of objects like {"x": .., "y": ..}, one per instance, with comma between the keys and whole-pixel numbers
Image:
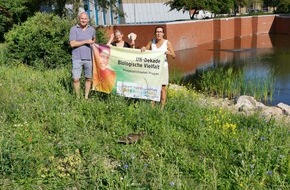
[
  {"x": 51, "y": 140},
  {"x": 261, "y": 87},
  {"x": 221, "y": 82},
  {"x": 230, "y": 82},
  {"x": 175, "y": 76}
]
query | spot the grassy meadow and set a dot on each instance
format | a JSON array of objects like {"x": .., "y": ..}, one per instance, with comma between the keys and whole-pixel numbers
[{"x": 51, "y": 140}]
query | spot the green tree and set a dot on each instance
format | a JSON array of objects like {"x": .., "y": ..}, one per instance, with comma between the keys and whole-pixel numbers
[
  {"x": 15, "y": 12},
  {"x": 242, "y": 3},
  {"x": 226, "y": 6},
  {"x": 6, "y": 21},
  {"x": 284, "y": 6},
  {"x": 271, "y": 3},
  {"x": 193, "y": 6},
  {"x": 186, "y": 4},
  {"x": 223, "y": 7},
  {"x": 103, "y": 4}
]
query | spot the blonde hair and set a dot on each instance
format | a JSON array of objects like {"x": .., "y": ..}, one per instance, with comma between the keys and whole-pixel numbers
[{"x": 118, "y": 31}]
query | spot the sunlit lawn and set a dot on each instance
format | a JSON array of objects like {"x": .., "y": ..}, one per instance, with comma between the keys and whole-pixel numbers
[{"x": 50, "y": 140}]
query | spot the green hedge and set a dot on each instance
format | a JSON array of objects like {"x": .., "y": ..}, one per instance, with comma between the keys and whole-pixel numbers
[{"x": 40, "y": 41}]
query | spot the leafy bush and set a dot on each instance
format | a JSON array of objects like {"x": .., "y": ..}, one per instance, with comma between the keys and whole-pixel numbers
[
  {"x": 43, "y": 41},
  {"x": 5, "y": 24},
  {"x": 101, "y": 35},
  {"x": 2, "y": 54},
  {"x": 40, "y": 41},
  {"x": 15, "y": 12}
]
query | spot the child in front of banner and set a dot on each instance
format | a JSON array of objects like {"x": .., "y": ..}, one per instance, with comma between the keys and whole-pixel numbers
[
  {"x": 116, "y": 39},
  {"x": 159, "y": 43}
]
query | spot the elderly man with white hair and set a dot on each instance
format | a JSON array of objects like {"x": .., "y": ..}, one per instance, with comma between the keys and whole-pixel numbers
[{"x": 81, "y": 36}]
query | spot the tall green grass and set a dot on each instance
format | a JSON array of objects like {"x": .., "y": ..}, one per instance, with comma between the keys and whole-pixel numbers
[
  {"x": 175, "y": 76},
  {"x": 227, "y": 82},
  {"x": 50, "y": 140},
  {"x": 3, "y": 54}
]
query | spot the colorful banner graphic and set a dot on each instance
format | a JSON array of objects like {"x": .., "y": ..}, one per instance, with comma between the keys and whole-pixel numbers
[{"x": 127, "y": 72}]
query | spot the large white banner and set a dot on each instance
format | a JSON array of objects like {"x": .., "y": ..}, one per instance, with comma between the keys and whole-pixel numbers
[{"x": 127, "y": 72}]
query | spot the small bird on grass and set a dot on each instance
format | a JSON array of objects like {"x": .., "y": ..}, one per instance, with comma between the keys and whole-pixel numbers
[{"x": 131, "y": 138}]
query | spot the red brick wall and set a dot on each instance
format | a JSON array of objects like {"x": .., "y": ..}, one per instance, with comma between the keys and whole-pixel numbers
[
  {"x": 281, "y": 25},
  {"x": 190, "y": 34},
  {"x": 265, "y": 23}
]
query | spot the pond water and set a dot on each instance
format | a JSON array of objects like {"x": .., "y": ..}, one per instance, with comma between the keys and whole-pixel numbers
[{"x": 260, "y": 55}]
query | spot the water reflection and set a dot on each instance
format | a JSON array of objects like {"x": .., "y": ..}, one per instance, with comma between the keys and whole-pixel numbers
[{"x": 259, "y": 55}]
